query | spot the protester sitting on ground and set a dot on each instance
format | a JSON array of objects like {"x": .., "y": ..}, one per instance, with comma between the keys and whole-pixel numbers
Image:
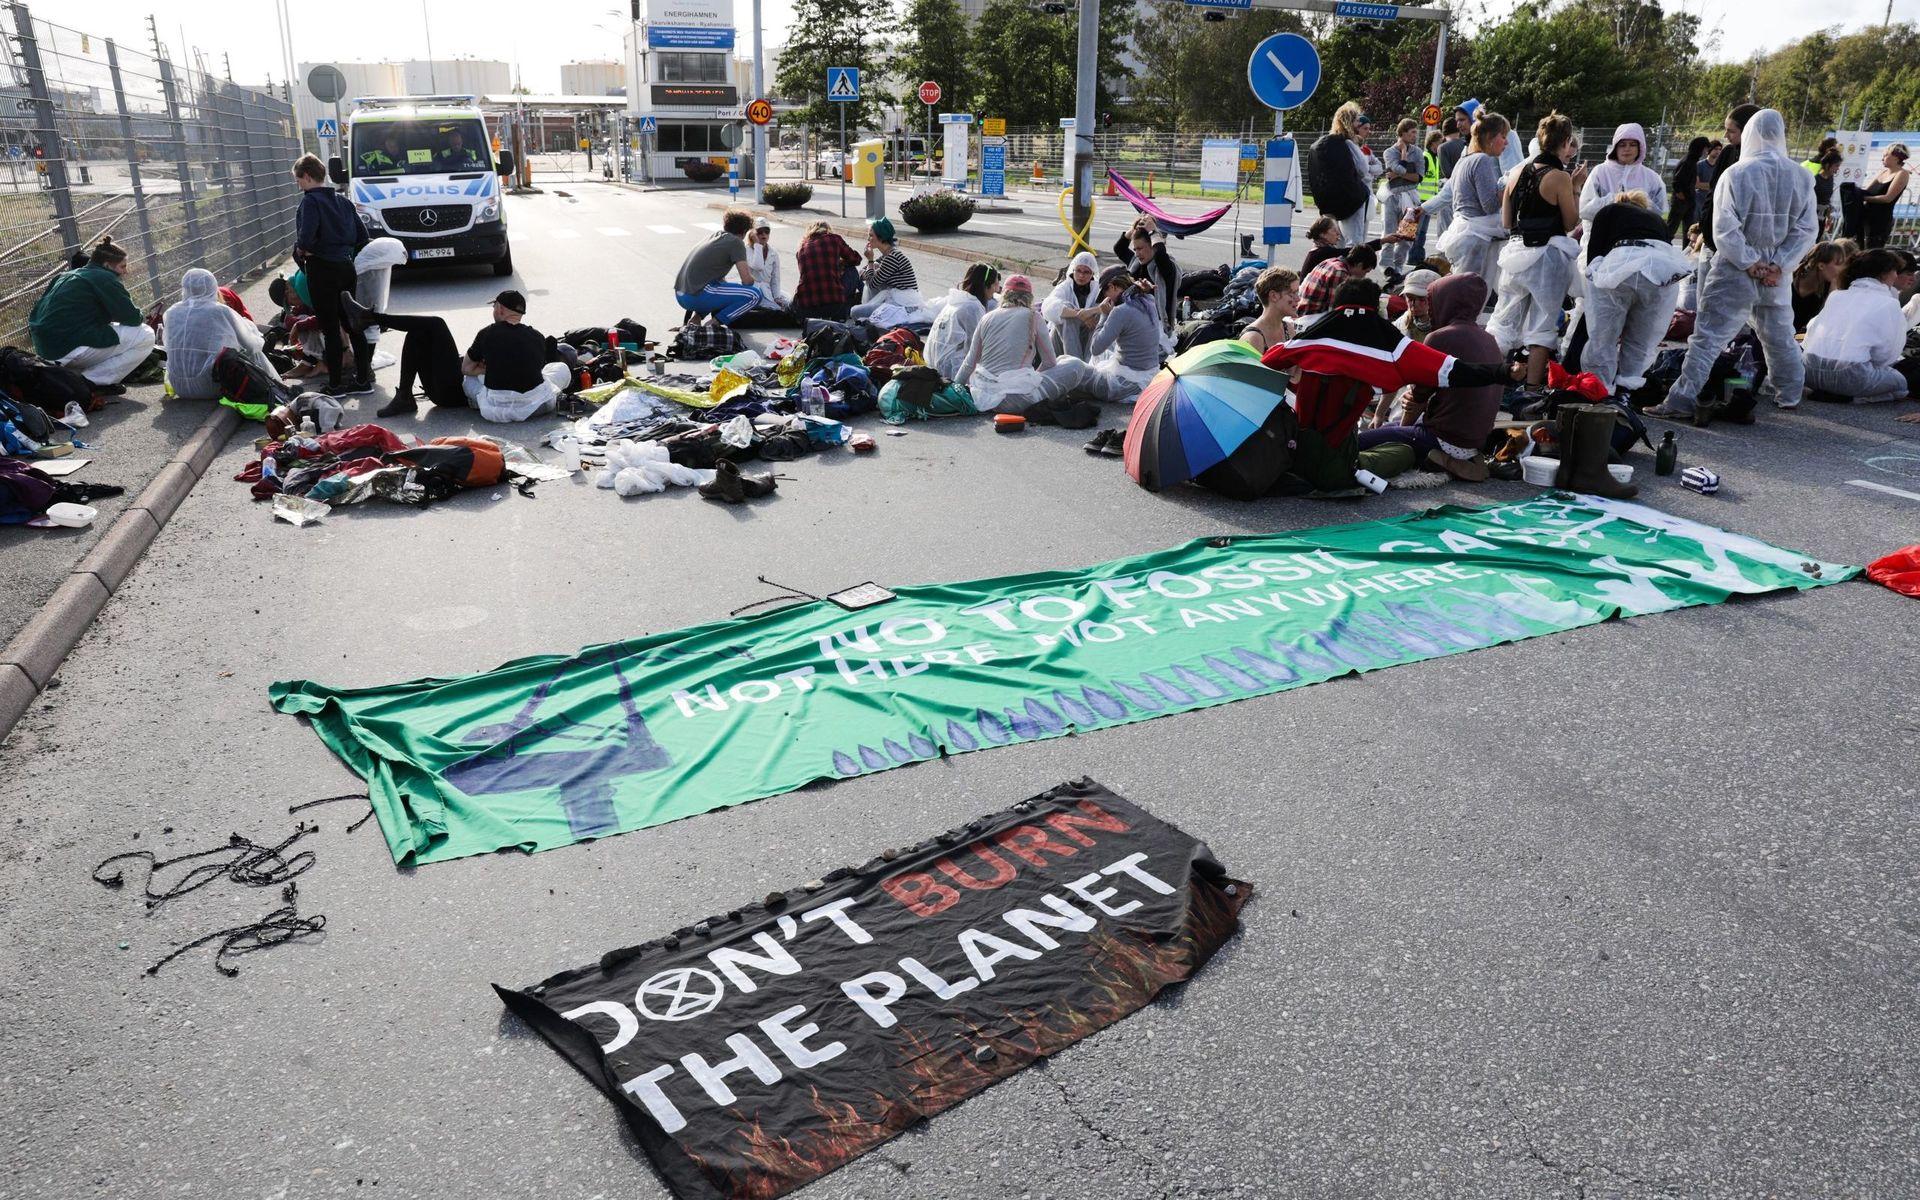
[
  {"x": 1624, "y": 170},
  {"x": 1324, "y": 233},
  {"x": 1152, "y": 263},
  {"x": 1763, "y": 223},
  {"x": 952, "y": 334},
  {"x": 999, "y": 368},
  {"x": 764, "y": 261},
  {"x": 1542, "y": 209},
  {"x": 1070, "y": 311},
  {"x": 1342, "y": 187},
  {"x": 826, "y": 262},
  {"x": 1882, "y": 192},
  {"x": 1697, "y": 255},
  {"x": 1816, "y": 277},
  {"x": 1278, "y": 291},
  {"x": 1416, "y": 322},
  {"x": 1448, "y": 426},
  {"x": 1633, "y": 276},
  {"x": 1341, "y": 359},
  {"x": 1125, "y": 351},
  {"x": 1854, "y": 347},
  {"x": 429, "y": 355},
  {"x": 197, "y": 328},
  {"x": 1682, "y": 203},
  {"x": 509, "y": 370},
  {"x": 88, "y": 322},
  {"x": 702, "y": 285},
  {"x": 1478, "y": 228},
  {"x": 1317, "y": 292},
  {"x": 888, "y": 277},
  {"x": 1406, "y": 166}
]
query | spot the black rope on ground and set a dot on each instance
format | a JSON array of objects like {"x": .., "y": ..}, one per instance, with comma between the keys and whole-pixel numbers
[
  {"x": 294, "y": 808},
  {"x": 282, "y": 925},
  {"x": 792, "y": 593},
  {"x": 246, "y": 862}
]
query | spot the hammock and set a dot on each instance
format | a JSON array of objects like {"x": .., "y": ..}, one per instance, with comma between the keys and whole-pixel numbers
[{"x": 1179, "y": 227}]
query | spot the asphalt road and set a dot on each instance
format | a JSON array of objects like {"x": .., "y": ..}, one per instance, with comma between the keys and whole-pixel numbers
[{"x": 1627, "y": 911}]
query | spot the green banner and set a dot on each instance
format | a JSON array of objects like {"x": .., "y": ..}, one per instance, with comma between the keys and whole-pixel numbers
[{"x": 547, "y": 751}]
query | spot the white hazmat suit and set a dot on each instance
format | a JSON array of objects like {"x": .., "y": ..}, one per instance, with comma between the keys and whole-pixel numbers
[
  {"x": 1611, "y": 178},
  {"x": 1763, "y": 212},
  {"x": 197, "y": 328}
]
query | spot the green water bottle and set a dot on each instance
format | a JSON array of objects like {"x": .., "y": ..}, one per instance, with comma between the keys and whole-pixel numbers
[{"x": 1667, "y": 456}]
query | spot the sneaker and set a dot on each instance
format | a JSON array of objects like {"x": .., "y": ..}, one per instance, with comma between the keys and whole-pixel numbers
[
  {"x": 359, "y": 387},
  {"x": 402, "y": 405},
  {"x": 358, "y": 315},
  {"x": 1099, "y": 443}
]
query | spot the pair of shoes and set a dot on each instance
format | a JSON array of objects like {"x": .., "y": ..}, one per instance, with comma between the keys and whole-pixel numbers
[
  {"x": 1667, "y": 412},
  {"x": 358, "y": 387},
  {"x": 1782, "y": 404},
  {"x": 1109, "y": 442},
  {"x": 1466, "y": 470},
  {"x": 733, "y": 485},
  {"x": 402, "y": 405},
  {"x": 1586, "y": 447}
]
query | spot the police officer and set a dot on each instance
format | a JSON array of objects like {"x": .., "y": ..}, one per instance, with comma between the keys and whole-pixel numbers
[
  {"x": 384, "y": 159},
  {"x": 458, "y": 156}
]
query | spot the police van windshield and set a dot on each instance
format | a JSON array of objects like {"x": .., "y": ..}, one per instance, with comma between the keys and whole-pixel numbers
[{"x": 419, "y": 147}]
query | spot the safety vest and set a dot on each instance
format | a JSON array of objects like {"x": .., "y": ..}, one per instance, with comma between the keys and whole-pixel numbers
[
  {"x": 1430, "y": 182},
  {"x": 378, "y": 162}
]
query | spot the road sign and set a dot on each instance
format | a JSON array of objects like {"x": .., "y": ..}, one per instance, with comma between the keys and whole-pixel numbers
[
  {"x": 993, "y": 163},
  {"x": 760, "y": 112},
  {"x": 1283, "y": 71},
  {"x": 929, "y": 92},
  {"x": 326, "y": 83},
  {"x": 1236, "y": 5},
  {"x": 16, "y": 152},
  {"x": 843, "y": 83},
  {"x": 649, "y": 125},
  {"x": 730, "y": 136},
  {"x": 993, "y": 127},
  {"x": 327, "y": 127},
  {"x": 1359, "y": 11},
  {"x": 1276, "y": 211},
  {"x": 1430, "y": 115}
]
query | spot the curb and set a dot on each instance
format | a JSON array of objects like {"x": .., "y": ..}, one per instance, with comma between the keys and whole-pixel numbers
[{"x": 30, "y": 660}]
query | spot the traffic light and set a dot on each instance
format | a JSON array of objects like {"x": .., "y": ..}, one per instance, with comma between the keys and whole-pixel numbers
[
  {"x": 39, "y": 151},
  {"x": 1106, "y": 120}
]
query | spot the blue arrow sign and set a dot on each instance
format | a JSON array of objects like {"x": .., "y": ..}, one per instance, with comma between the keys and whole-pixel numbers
[
  {"x": 843, "y": 83},
  {"x": 1283, "y": 71},
  {"x": 327, "y": 127},
  {"x": 649, "y": 125}
]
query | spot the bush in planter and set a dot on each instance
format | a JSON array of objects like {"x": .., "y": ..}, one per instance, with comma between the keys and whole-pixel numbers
[
  {"x": 787, "y": 195},
  {"x": 937, "y": 211},
  {"x": 701, "y": 171}
]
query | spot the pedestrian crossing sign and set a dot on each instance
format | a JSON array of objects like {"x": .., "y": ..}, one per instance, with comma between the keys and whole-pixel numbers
[
  {"x": 328, "y": 127},
  {"x": 649, "y": 125},
  {"x": 843, "y": 83}
]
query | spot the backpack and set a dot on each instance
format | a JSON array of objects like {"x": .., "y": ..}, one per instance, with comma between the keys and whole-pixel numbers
[
  {"x": 830, "y": 339},
  {"x": 1209, "y": 284},
  {"x": 25, "y": 492},
  {"x": 43, "y": 383},
  {"x": 1200, "y": 331},
  {"x": 243, "y": 382},
  {"x": 699, "y": 341}
]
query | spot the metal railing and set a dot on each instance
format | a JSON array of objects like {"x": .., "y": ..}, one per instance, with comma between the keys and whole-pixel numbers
[{"x": 105, "y": 137}]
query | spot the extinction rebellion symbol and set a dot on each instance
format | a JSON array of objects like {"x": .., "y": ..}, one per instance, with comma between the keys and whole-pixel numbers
[{"x": 684, "y": 994}]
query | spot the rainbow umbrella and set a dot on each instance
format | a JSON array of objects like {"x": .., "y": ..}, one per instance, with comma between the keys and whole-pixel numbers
[{"x": 1214, "y": 416}]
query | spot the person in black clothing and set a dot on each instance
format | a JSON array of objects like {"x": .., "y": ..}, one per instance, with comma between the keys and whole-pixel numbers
[
  {"x": 327, "y": 235},
  {"x": 1143, "y": 251},
  {"x": 1828, "y": 169},
  {"x": 1736, "y": 123},
  {"x": 1340, "y": 189},
  {"x": 1680, "y": 200},
  {"x": 1633, "y": 277},
  {"x": 506, "y": 356}
]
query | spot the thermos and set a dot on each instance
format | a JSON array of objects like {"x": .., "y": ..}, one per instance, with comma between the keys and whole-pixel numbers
[{"x": 1667, "y": 456}]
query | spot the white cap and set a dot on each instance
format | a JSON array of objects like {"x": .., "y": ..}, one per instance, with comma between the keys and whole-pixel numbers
[
  {"x": 1417, "y": 282},
  {"x": 762, "y": 223}
]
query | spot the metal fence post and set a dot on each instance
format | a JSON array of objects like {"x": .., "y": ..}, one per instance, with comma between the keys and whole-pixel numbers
[
  {"x": 133, "y": 172},
  {"x": 214, "y": 118},
  {"x": 256, "y": 234},
  {"x": 182, "y": 164},
  {"x": 44, "y": 132}
]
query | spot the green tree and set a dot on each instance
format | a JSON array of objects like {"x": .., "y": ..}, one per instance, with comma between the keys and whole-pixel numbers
[
  {"x": 1025, "y": 61},
  {"x": 1535, "y": 62},
  {"x": 936, "y": 44},
  {"x": 831, "y": 33}
]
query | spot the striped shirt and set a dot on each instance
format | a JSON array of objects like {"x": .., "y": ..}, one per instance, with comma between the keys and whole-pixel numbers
[{"x": 890, "y": 272}]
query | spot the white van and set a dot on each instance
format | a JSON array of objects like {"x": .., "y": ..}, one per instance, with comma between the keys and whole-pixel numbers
[{"x": 421, "y": 169}]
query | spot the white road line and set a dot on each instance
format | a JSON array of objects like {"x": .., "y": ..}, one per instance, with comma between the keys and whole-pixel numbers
[
  {"x": 664, "y": 229},
  {"x": 1881, "y": 487},
  {"x": 611, "y": 231}
]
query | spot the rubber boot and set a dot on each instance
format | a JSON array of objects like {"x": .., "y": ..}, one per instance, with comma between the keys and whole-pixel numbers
[{"x": 1583, "y": 465}]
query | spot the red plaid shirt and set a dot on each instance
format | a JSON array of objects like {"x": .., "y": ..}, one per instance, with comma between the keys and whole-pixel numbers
[
  {"x": 1316, "y": 291},
  {"x": 824, "y": 259}
]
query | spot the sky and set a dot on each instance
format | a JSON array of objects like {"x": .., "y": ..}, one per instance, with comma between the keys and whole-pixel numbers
[{"x": 589, "y": 30}]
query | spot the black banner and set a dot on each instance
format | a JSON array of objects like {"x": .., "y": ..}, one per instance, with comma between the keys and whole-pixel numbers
[{"x": 754, "y": 1052}]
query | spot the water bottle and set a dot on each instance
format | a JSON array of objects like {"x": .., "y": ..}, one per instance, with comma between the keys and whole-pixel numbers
[
  {"x": 570, "y": 454},
  {"x": 1667, "y": 456},
  {"x": 269, "y": 469},
  {"x": 307, "y": 427},
  {"x": 1370, "y": 481}
]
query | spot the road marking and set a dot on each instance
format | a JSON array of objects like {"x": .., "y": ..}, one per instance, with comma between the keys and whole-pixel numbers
[
  {"x": 664, "y": 229},
  {"x": 1881, "y": 487},
  {"x": 611, "y": 231},
  {"x": 563, "y": 233}
]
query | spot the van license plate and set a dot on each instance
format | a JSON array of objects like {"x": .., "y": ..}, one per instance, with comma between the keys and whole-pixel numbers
[{"x": 436, "y": 252}]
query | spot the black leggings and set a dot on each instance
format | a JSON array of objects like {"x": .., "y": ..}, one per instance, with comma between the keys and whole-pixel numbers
[
  {"x": 429, "y": 354},
  {"x": 325, "y": 281}
]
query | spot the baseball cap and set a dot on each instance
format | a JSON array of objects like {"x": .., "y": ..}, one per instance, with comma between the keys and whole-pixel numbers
[
  {"x": 513, "y": 300},
  {"x": 762, "y": 223},
  {"x": 1417, "y": 282}
]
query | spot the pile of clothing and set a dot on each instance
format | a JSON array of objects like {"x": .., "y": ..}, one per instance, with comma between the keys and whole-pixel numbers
[{"x": 353, "y": 464}]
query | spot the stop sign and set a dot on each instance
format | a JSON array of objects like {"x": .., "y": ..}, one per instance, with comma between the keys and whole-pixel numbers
[{"x": 929, "y": 92}]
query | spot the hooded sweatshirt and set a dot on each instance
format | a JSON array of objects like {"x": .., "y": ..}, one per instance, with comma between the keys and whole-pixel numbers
[
  {"x": 197, "y": 328},
  {"x": 1611, "y": 177},
  {"x": 1462, "y": 416}
]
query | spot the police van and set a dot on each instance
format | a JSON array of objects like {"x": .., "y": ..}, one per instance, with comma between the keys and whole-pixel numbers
[{"x": 421, "y": 169}]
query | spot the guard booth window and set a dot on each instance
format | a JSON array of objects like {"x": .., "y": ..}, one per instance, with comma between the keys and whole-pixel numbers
[
  {"x": 691, "y": 67},
  {"x": 689, "y": 139}
]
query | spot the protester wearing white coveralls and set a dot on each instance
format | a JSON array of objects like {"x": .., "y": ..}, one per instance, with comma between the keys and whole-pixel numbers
[
  {"x": 1073, "y": 308},
  {"x": 1633, "y": 274},
  {"x": 1125, "y": 351},
  {"x": 1624, "y": 170},
  {"x": 1763, "y": 222},
  {"x": 960, "y": 314},
  {"x": 197, "y": 328},
  {"x": 1476, "y": 232},
  {"x": 1536, "y": 265},
  {"x": 1853, "y": 343}
]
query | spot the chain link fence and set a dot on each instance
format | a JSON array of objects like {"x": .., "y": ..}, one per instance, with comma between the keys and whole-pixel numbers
[{"x": 106, "y": 137}]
